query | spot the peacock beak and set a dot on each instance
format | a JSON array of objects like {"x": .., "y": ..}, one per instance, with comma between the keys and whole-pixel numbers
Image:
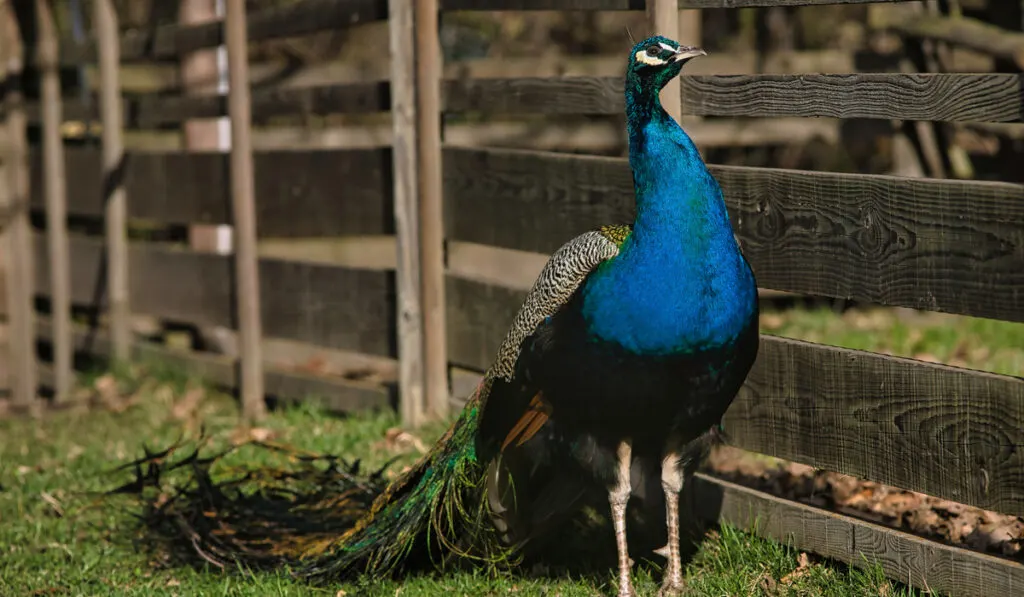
[{"x": 687, "y": 52}]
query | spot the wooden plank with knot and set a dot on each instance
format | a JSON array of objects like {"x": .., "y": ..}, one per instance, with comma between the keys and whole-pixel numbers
[
  {"x": 996, "y": 97},
  {"x": 944, "y": 431},
  {"x": 941, "y": 245}
]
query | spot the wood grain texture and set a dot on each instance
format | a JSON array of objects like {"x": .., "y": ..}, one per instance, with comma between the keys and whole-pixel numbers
[
  {"x": 154, "y": 111},
  {"x": 299, "y": 18},
  {"x": 630, "y": 4},
  {"x": 111, "y": 184},
  {"x": 335, "y": 307},
  {"x": 929, "y": 565},
  {"x": 55, "y": 190},
  {"x": 535, "y": 95},
  {"x": 290, "y": 386},
  {"x": 405, "y": 172},
  {"x": 243, "y": 203},
  {"x": 298, "y": 193},
  {"x": 941, "y": 245},
  {"x": 15, "y": 227},
  {"x": 431, "y": 208},
  {"x": 925, "y": 96},
  {"x": 940, "y": 430}
]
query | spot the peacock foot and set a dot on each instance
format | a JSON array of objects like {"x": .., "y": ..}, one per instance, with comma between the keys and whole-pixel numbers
[{"x": 672, "y": 587}]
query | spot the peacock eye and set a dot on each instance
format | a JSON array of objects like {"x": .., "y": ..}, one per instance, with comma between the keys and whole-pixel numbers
[{"x": 653, "y": 51}]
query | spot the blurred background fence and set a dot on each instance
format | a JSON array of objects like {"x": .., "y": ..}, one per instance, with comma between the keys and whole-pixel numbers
[{"x": 413, "y": 164}]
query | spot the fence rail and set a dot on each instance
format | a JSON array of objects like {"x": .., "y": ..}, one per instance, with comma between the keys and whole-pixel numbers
[
  {"x": 955, "y": 246},
  {"x": 926, "y": 96},
  {"x": 941, "y": 245}
]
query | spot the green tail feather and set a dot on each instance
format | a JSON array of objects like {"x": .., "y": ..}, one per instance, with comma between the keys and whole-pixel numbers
[
  {"x": 438, "y": 505},
  {"x": 326, "y": 522}
]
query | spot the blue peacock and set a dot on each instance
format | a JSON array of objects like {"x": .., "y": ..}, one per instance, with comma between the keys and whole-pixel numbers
[{"x": 624, "y": 357}]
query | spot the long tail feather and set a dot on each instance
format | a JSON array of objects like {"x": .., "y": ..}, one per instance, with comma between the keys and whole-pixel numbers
[
  {"x": 320, "y": 515},
  {"x": 438, "y": 505}
]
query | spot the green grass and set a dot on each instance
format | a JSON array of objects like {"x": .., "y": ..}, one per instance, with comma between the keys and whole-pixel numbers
[
  {"x": 985, "y": 344},
  {"x": 55, "y": 539}
]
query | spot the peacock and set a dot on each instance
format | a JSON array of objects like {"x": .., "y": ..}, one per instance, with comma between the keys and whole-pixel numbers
[{"x": 618, "y": 367}]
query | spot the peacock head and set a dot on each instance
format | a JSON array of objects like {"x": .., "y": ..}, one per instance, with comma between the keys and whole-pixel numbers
[{"x": 654, "y": 61}]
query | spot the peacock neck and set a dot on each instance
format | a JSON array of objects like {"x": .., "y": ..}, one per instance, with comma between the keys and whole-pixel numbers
[
  {"x": 679, "y": 281},
  {"x": 677, "y": 200}
]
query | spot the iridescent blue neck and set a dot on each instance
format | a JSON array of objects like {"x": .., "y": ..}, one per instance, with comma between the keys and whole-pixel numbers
[
  {"x": 675, "y": 193},
  {"x": 679, "y": 281}
]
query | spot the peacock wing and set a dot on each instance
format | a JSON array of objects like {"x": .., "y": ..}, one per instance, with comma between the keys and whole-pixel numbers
[{"x": 512, "y": 407}]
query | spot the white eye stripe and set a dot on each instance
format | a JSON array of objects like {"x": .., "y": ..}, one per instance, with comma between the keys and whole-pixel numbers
[
  {"x": 667, "y": 47},
  {"x": 642, "y": 56}
]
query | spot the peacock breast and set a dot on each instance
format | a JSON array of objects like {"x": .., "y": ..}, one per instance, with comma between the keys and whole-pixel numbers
[{"x": 661, "y": 303}]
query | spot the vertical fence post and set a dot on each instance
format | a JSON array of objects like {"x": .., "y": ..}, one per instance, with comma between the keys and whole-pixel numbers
[
  {"x": 403, "y": 156},
  {"x": 431, "y": 208},
  {"x": 15, "y": 230},
  {"x": 109, "y": 50},
  {"x": 664, "y": 18},
  {"x": 55, "y": 187},
  {"x": 250, "y": 333}
]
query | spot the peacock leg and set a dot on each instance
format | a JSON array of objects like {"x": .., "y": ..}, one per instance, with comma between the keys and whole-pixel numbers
[
  {"x": 618, "y": 497},
  {"x": 672, "y": 484}
]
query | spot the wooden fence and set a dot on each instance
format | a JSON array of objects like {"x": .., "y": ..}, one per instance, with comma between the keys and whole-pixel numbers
[{"x": 954, "y": 246}]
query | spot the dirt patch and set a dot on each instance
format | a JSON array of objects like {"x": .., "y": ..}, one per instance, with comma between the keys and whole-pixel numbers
[{"x": 910, "y": 511}]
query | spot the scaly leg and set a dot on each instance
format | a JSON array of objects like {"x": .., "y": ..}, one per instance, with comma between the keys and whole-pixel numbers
[
  {"x": 618, "y": 497},
  {"x": 672, "y": 484}
]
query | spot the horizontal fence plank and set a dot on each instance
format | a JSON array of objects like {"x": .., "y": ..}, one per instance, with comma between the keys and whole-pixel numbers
[
  {"x": 298, "y": 193},
  {"x": 948, "y": 432},
  {"x": 335, "y": 307},
  {"x": 299, "y": 18},
  {"x": 997, "y": 97},
  {"x": 940, "y": 245},
  {"x": 923, "y": 96},
  {"x": 631, "y": 4},
  {"x": 929, "y": 565},
  {"x": 943, "y": 431},
  {"x": 290, "y": 386},
  {"x": 154, "y": 111}
]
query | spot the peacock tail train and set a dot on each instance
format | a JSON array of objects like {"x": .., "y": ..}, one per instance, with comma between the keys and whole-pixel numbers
[
  {"x": 438, "y": 505},
  {"x": 323, "y": 517}
]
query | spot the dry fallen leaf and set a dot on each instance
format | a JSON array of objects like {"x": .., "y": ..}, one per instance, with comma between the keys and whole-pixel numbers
[
  {"x": 74, "y": 452},
  {"x": 52, "y": 501},
  {"x": 768, "y": 584},
  {"x": 107, "y": 391},
  {"x": 397, "y": 439},
  {"x": 188, "y": 405},
  {"x": 803, "y": 563},
  {"x": 244, "y": 435}
]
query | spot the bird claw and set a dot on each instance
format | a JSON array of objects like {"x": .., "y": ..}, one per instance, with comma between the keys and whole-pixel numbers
[{"x": 671, "y": 588}]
